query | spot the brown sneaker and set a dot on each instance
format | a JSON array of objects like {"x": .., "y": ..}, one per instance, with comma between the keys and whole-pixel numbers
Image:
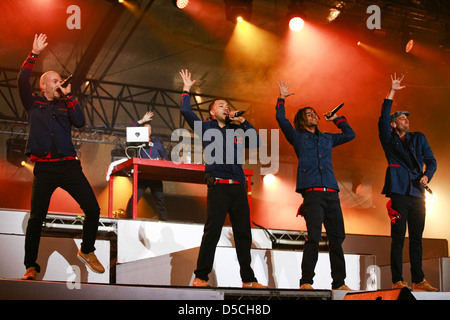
[
  {"x": 306, "y": 286},
  {"x": 344, "y": 287},
  {"x": 91, "y": 261},
  {"x": 401, "y": 285},
  {"x": 30, "y": 274},
  {"x": 253, "y": 285},
  {"x": 200, "y": 283},
  {"x": 424, "y": 286}
]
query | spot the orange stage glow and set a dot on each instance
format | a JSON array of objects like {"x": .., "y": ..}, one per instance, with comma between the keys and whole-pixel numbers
[{"x": 250, "y": 47}]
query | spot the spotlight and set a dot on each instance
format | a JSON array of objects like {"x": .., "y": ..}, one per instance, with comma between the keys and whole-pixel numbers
[
  {"x": 334, "y": 13},
  {"x": 15, "y": 151},
  {"x": 296, "y": 24},
  {"x": 296, "y": 16},
  {"x": 180, "y": 4},
  {"x": 407, "y": 41},
  {"x": 409, "y": 46},
  {"x": 238, "y": 10},
  {"x": 269, "y": 179}
]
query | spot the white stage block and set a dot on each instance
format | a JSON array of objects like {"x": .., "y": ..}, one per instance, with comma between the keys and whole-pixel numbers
[
  {"x": 140, "y": 239},
  {"x": 281, "y": 269},
  {"x": 276, "y": 268},
  {"x": 13, "y": 221}
]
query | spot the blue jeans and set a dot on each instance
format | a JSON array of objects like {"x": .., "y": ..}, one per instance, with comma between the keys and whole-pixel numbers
[{"x": 69, "y": 176}]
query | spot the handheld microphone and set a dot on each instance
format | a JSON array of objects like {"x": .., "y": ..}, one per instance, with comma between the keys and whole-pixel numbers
[
  {"x": 428, "y": 189},
  {"x": 333, "y": 112},
  {"x": 67, "y": 81},
  {"x": 238, "y": 114}
]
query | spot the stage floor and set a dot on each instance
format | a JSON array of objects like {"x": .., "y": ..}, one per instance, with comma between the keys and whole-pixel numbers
[{"x": 16, "y": 289}]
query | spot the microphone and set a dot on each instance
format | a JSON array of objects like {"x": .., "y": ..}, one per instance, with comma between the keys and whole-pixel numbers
[
  {"x": 238, "y": 114},
  {"x": 428, "y": 189},
  {"x": 64, "y": 84},
  {"x": 67, "y": 81},
  {"x": 333, "y": 112}
]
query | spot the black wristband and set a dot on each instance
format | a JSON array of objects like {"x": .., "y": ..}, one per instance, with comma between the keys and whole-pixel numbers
[{"x": 34, "y": 55}]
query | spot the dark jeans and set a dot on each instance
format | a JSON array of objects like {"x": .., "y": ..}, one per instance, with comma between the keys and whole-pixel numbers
[
  {"x": 69, "y": 176},
  {"x": 156, "y": 187},
  {"x": 323, "y": 207},
  {"x": 412, "y": 211},
  {"x": 223, "y": 199}
]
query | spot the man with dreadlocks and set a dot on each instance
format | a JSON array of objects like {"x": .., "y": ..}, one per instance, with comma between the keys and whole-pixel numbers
[{"x": 317, "y": 184}]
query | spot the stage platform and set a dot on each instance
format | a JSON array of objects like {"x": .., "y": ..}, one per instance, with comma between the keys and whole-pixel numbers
[
  {"x": 15, "y": 289},
  {"x": 55, "y": 290},
  {"x": 150, "y": 260}
]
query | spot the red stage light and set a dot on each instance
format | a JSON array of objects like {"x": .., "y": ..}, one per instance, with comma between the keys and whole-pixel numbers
[
  {"x": 296, "y": 24},
  {"x": 409, "y": 46}
]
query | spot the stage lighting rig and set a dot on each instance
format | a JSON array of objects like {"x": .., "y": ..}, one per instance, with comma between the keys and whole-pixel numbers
[
  {"x": 236, "y": 10},
  {"x": 15, "y": 151},
  {"x": 296, "y": 15}
]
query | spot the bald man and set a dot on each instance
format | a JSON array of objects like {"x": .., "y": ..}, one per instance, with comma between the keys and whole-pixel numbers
[{"x": 51, "y": 115}]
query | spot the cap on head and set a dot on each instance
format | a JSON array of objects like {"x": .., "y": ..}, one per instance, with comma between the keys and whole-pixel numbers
[{"x": 397, "y": 114}]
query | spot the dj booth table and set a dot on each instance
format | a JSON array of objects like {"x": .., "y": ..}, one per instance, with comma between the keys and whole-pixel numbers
[{"x": 138, "y": 168}]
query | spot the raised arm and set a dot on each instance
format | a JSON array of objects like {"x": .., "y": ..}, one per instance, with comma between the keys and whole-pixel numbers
[
  {"x": 285, "y": 126},
  {"x": 384, "y": 122},
  {"x": 186, "y": 111},
  {"x": 24, "y": 85}
]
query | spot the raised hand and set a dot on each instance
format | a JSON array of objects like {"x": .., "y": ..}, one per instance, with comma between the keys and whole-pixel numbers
[
  {"x": 39, "y": 43},
  {"x": 396, "y": 82},
  {"x": 148, "y": 116},
  {"x": 187, "y": 82},
  {"x": 284, "y": 89}
]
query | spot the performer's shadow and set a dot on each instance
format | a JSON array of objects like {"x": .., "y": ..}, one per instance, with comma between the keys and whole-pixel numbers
[{"x": 67, "y": 249}]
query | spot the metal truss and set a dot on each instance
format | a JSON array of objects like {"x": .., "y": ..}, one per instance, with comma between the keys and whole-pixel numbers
[
  {"x": 109, "y": 108},
  {"x": 286, "y": 239},
  {"x": 56, "y": 223}
]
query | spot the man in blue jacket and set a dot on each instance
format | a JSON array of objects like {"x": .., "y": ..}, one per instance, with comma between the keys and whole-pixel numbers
[
  {"x": 51, "y": 114},
  {"x": 155, "y": 151},
  {"x": 226, "y": 188},
  {"x": 317, "y": 184},
  {"x": 407, "y": 153}
]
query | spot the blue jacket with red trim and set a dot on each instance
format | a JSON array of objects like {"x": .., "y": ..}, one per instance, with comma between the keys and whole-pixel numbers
[
  {"x": 49, "y": 121},
  {"x": 227, "y": 166},
  {"x": 314, "y": 151},
  {"x": 406, "y": 160}
]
